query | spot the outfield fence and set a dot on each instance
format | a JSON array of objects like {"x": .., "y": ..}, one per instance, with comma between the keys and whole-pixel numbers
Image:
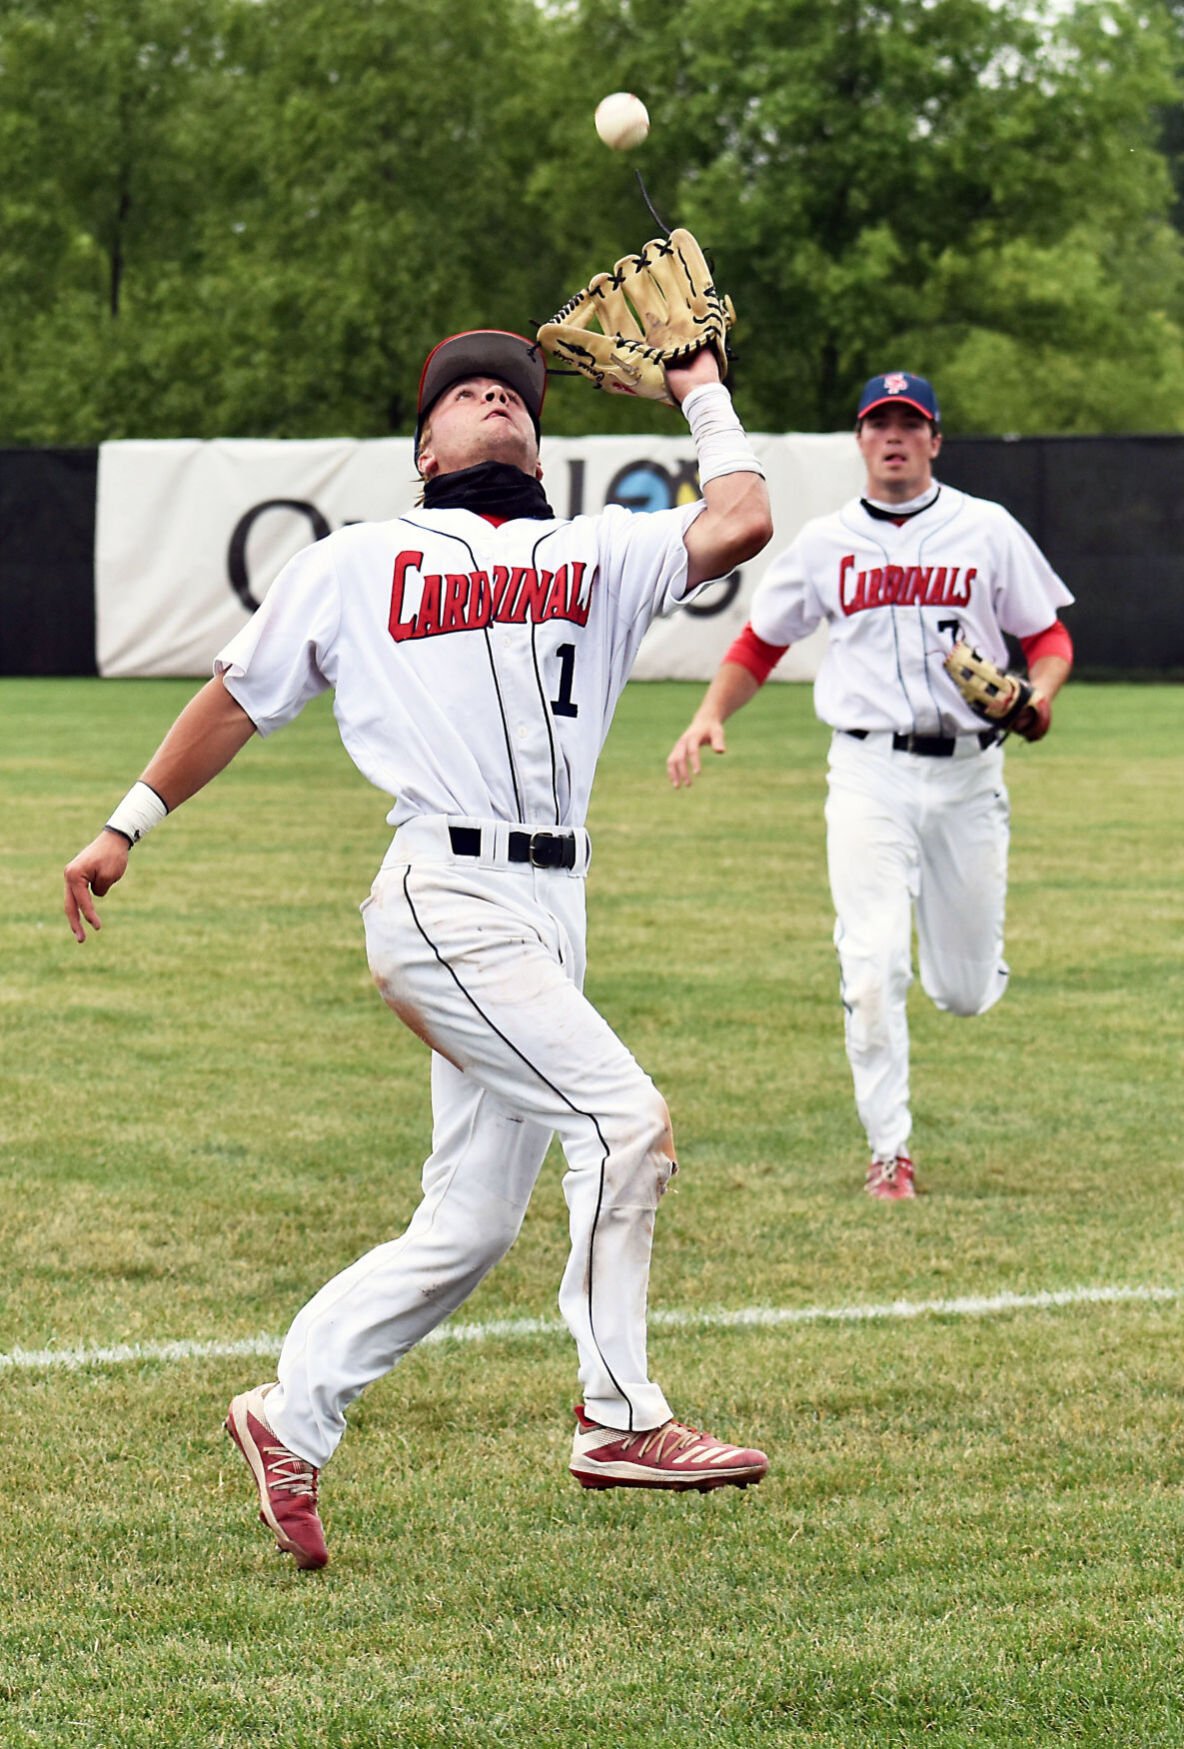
[{"x": 143, "y": 558}]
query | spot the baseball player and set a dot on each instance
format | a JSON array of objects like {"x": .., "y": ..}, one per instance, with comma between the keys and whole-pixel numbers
[
  {"x": 476, "y": 647},
  {"x": 917, "y": 811}
]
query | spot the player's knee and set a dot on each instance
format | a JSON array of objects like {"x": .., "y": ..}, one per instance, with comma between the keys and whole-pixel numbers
[
  {"x": 662, "y": 1153},
  {"x": 659, "y": 1152},
  {"x": 971, "y": 991},
  {"x": 871, "y": 991},
  {"x": 501, "y": 1232},
  {"x": 641, "y": 1149},
  {"x": 961, "y": 1004},
  {"x": 495, "y": 1227},
  {"x": 663, "y": 1129}
]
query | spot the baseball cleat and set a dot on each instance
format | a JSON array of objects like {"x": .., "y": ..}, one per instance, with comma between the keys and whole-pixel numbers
[
  {"x": 891, "y": 1180},
  {"x": 287, "y": 1484},
  {"x": 671, "y": 1456}
]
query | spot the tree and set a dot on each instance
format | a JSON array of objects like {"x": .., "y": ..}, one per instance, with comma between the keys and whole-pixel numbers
[
  {"x": 952, "y": 185},
  {"x": 255, "y": 217},
  {"x": 260, "y": 216},
  {"x": 106, "y": 140}
]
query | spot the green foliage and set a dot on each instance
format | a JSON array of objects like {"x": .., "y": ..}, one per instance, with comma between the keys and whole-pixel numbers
[
  {"x": 854, "y": 153},
  {"x": 255, "y": 217}
]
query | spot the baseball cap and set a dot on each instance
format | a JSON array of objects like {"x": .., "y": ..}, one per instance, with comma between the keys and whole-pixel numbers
[
  {"x": 900, "y": 386},
  {"x": 483, "y": 352}
]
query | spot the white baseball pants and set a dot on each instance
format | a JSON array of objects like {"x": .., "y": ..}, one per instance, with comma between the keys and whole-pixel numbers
[
  {"x": 485, "y": 960},
  {"x": 910, "y": 836}
]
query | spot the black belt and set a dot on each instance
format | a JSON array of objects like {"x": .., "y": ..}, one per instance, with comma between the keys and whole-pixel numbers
[
  {"x": 929, "y": 746},
  {"x": 539, "y": 849}
]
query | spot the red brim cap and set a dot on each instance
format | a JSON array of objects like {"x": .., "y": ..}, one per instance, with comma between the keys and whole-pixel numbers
[
  {"x": 484, "y": 352},
  {"x": 899, "y": 401},
  {"x": 898, "y": 388}
]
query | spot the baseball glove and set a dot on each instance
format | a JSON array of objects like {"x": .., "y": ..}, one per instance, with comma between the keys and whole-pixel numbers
[
  {"x": 1006, "y": 701},
  {"x": 654, "y": 309}
]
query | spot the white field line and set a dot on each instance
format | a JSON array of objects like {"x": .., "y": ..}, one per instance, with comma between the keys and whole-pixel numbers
[{"x": 763, "y": 1317}]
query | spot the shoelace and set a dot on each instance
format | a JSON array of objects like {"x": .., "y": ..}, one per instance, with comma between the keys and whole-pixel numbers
[
  {"x": 285, "y": 1470},
  {"x": 670, "y": 1438}
]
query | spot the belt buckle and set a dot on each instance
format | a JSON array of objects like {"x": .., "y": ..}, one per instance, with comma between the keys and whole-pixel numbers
[{"x": 543, "y": 849}]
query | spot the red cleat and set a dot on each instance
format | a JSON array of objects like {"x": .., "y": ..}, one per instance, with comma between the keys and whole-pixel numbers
[
  {"x": 287, "y": 1484},
  {"x": 891, "y": 1180},
  {"x": 671, "y": 1456}
]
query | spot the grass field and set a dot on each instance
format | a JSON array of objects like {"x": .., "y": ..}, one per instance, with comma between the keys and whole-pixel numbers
[{"x": 972, "y": 1528}]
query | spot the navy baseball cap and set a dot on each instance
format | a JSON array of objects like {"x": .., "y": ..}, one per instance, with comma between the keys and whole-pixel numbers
[
  {"x": 899, "y": 386},
  {"x": 483, "y": 352}
]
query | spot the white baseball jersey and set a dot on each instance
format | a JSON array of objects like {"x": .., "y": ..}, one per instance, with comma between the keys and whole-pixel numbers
[
  {"x": 475, "y": 670},
  {"x": 897, "y": 597},
  {"x": 475, "y": 667}
]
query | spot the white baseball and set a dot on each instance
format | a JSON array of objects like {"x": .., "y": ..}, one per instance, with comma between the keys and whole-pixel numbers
[{"x": 622, "y": 121}]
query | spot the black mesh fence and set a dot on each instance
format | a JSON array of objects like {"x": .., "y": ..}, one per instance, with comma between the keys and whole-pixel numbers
[
  {"x": 1109, "y": 513},
  {"x": 47, "y": 555}
]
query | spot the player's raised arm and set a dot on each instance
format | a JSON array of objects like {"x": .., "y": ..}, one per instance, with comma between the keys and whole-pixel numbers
[
  {"x": 203, "y": 740},
  {"x": 737, "y": 522},
  {"x": 657, "y": 327}
]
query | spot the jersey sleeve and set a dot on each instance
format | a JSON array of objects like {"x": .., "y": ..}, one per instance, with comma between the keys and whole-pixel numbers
[
  {"x": 282, "y": 657},
  {"x": 786, "y": 607},
  {"x": 643, "y": 557},
  {"x": 1028, "y": 592}
]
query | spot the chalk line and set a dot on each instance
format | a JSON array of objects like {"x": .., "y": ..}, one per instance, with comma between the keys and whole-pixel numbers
[{"x": 507, "y": 1329}]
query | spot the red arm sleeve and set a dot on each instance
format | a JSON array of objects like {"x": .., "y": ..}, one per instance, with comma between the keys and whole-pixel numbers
[
  {"x": 1054, "y": 640},
  {"x": 754, "y": 654}
]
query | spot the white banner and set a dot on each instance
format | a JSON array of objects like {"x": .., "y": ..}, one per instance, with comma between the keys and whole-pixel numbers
[{"x": 189, "y": 535}]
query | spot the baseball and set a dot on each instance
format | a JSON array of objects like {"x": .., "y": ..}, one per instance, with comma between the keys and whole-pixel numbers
[{"x": 622, "y": 121}]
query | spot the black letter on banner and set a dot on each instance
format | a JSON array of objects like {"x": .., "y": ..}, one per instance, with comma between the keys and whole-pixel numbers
[
  {"x": 236, "y": 557},
  {"x": 728, "y": 588},
  {"x": 575, "y": 487}
]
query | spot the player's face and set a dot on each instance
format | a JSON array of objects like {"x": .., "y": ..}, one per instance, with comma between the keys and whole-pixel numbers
[
  {"x": 479, "y": 419},
  {"x": 899, "y": 447}
]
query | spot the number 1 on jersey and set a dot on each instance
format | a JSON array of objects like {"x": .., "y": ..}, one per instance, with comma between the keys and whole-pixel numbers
[{"x": 563, "y": 706}]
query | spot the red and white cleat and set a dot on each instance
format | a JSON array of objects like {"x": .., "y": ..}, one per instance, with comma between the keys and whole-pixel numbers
[
  {"x": 891, "y": 1180},
  {"x": 671, "y": 1456},
  {"x": 287, "y": 1484}
]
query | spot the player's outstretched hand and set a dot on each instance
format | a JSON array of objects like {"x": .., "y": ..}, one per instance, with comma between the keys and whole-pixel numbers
[
  {"x": 683, "y": 763},
  {"x": 93, "y": 872}
]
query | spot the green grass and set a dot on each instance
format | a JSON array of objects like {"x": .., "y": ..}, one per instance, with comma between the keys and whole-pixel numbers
[{"x": 971, "y": 1531}]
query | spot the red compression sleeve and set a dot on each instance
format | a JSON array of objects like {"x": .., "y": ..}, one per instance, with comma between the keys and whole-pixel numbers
[
  {"x": 1054, "y": 640},
  {"x": 754, "y": 654}
]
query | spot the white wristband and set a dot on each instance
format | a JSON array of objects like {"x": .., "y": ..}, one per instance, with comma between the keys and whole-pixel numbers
[
  {"x": 720, "y": 440},
  {"x": 140, "y": 810}
]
